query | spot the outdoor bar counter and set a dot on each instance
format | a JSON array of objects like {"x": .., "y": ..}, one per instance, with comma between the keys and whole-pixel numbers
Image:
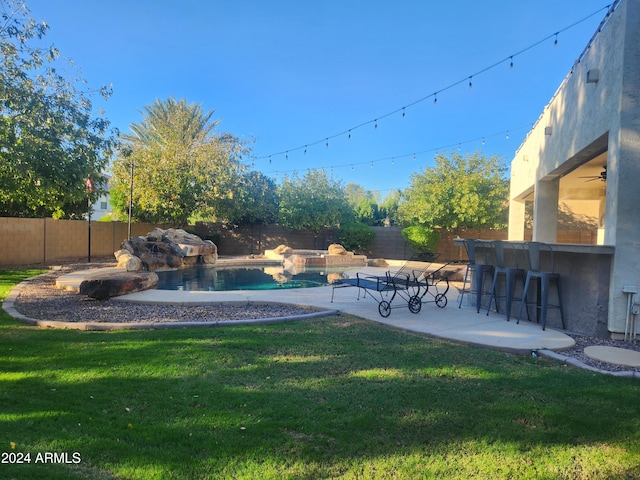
[{"x": 585, "y": 272}]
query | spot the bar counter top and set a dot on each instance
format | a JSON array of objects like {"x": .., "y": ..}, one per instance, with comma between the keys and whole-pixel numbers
[{"x": 556, "y": 247}]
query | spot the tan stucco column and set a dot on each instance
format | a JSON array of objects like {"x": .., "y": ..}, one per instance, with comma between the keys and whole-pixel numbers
[
  {"x": 622, "y": 221},
  {"x": 516, "y": 220},
  {"x": 545, "y": 211}
]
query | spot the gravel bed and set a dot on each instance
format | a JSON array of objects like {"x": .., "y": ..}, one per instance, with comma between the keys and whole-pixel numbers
[
  {"x": 582, "y": 342},
  {"x": 40, "y": 299}
]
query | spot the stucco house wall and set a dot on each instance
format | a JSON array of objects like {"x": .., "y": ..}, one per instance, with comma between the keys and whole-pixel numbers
[{"x": 595, "y": 114}]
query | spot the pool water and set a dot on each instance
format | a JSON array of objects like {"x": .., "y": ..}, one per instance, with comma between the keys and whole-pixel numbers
[{"x": 210, "y": 279}]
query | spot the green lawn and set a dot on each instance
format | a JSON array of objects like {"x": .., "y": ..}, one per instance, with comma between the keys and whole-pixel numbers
[{"x": 331, "y": 398}]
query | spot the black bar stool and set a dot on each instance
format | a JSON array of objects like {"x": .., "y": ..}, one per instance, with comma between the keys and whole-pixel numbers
[
  {"x": 478, "y": 272},
  {"x": 510, "y": 273},
  {"x": 543, "y": 278}
]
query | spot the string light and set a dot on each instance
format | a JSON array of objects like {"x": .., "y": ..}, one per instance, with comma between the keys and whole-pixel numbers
[
  {"x": 511, "y": 64},
  {"x": 509, "y": 58},
  {"x": 414, "y": 155}
]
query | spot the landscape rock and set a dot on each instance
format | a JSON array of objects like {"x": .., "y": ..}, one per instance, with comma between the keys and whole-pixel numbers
[
  {"x": 378, "y": 262},
  {"x": 105, "y": 286},
  {"x": 282, "y": 250},
  {"x": 336, "y": 249},
  {"x": 129, "y": 262},
  {"x": 162, "y": 249}
]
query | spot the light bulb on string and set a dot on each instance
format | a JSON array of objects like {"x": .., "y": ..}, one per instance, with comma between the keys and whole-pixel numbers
[
  {"x": 375, "y": 125},
  {"x": 403, "y": 112},
  {"x": 305, "y": 149},
  {"x": 352, "y": 169},
  {"x": 483, "y": 140},
  {"x": 435, "y": 98},
  {"x": 507, "y": 136},
  {"x": 269, "y": 159},
  {"x": 393, "y": 161},
  {"x": 511, "y": 64},
  {"x": 326, "y": 144},
  {"x": 414, "y": 157},
  {"x": 470, "y": 83},
  {"x": 555, "y": 42},
  {"x": 286, "y": 157},
  {"x": 372, "y": 164},
  {"x": 349, "y": 134}
]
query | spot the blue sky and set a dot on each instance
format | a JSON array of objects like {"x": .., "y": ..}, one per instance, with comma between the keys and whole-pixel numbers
[{"x": 283, "y": 74}]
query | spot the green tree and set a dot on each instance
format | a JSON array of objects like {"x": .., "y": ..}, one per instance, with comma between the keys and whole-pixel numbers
[
  {"x": 366, "y": 212},
  {"x": 356, "y": 236},
  {"x": 388, "y": 209},
  {"x": 468, "y": 191},
  {"x": 253, "y": 200},
  {"x": 313, "y": 202},
  {"x": 182, "y": 166},
  {"x": 50, "y": 142},
  {"x": 364, "y": 203}
]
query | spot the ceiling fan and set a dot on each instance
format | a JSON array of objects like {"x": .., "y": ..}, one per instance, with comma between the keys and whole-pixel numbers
[{"x": 602, "y": 176}]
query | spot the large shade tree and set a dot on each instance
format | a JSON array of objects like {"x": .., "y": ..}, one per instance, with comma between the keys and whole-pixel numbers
[
  {"x": 51, "y": 143},
  {"x": 364, "y": 203},
  {"x": 469, "y": 191},
  {"x": 253, "y": 200},
  {"x": 313, "y": 202},
  {"x": 181, "y": 165}
]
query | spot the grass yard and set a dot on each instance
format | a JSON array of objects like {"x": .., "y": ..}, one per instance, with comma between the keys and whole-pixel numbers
[{"x": 330, "y": 398}]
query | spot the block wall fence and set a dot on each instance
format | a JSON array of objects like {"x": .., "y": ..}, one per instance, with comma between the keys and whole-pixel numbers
[{"x": 45, "y": 241}]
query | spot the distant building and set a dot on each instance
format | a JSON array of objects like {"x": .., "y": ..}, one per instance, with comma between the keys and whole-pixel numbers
[{"x": 102, "y": 206}]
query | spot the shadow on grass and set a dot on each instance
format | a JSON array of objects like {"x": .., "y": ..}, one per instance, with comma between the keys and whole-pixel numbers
[{"x": 305, "y": 396}]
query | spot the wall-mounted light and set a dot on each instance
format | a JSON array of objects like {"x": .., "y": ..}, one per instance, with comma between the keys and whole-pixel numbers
[
  {"x": 548, "y": 131},
  {"x": 593, "y": 75}
]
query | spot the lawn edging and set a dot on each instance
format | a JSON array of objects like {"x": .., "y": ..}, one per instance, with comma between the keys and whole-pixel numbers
[{"x": 8, "y": 305}]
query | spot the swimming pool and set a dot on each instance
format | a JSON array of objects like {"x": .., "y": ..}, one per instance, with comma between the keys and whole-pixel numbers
[{"x": 211, "y": 279}]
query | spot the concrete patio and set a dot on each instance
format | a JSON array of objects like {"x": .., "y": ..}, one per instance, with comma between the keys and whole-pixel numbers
[{"x": 452, "y": 323}]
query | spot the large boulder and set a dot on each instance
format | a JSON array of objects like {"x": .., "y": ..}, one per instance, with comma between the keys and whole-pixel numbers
[
  {"x": 283, "y": 250},
  {"x": 107, "y": 285},
  {"x": 336, "y": 249},
  {"x": 162, "y": 249}
]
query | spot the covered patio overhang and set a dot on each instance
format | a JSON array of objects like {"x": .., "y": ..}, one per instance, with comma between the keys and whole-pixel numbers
[{"x": 580, "y": 163}]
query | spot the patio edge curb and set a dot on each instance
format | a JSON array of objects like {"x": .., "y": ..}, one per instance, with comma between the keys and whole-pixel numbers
[{"x": 8, "y": 305}]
